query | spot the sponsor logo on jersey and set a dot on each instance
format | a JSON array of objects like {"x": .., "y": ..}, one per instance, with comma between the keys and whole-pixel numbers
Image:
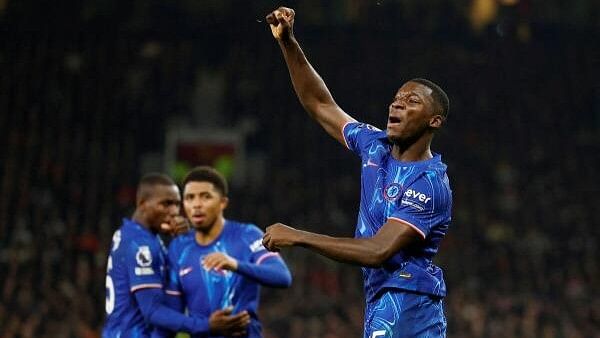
[
  {"x": 143, "y": 256},
  {"x": 419, "y": 196},
  {"x": 412, "y": 204},
  {"x": 415, "y": 199}
]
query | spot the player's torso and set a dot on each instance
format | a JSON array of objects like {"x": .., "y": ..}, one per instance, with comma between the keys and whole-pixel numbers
[
  {"x": 383, "y": 181},
  {"x": 208, "y": 290},
  {"x": 123, "y": 317},
  {"x": 386, "y": 186}
]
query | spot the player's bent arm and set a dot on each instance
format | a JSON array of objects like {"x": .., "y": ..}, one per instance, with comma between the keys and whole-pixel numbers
[
  {"x": 173, "y": 300},
  {"x": 312, "y": 92},
  {"x": 370, "y": 252},
  {"x": 156, "y": 313},
  {"x": 269, "y": 271}
]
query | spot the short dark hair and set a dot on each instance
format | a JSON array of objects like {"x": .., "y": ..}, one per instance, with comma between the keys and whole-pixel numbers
[
  {"x": 151, "y": 180},
  {"x": 438, "y": 95},
  {"x": 207, "y": 174}
]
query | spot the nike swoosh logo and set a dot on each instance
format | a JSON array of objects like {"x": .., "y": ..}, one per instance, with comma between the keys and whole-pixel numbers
[
  {"x": 371, "y": 164},
  {"x": 185, "y": 271}
]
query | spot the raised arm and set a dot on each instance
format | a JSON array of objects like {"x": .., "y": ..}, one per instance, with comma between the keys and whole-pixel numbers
[{"x": 309, "y": 86}]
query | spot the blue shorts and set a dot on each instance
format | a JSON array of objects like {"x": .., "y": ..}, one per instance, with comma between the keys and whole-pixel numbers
[{"x": 401, "y": 314}]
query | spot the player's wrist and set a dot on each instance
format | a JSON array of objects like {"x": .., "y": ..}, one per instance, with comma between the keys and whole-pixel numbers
[
  {"x": 234, "y": 264},
  {"x": 301, "y": 238},
  {"x": 196, "y": 325},
  {"x": 287, "y": 40}
]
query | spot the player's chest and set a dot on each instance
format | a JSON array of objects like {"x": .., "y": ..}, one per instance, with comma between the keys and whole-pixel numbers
[
  {"x": 193, "y": 270},
  {"x": 384, "y": 183}
]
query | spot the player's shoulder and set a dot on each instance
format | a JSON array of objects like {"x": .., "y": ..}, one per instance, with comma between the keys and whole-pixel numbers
[
  {"x": 182, "y": 240},
  {"x": 436, "y": 173},
  {"x": 437, "y": 168},
  {"x": 429, "y": 185},
  {"x": 247, "y": 235},
  {"x": 364, "y": 129},
  {"x": 431, "y": 179},
  {"x": 363, "y": 138},
  {"x": 132, "y": 233},
  {"x": 244, "y": 229},
  {"x": 240, "y": 226},
  {"x": 430, "y": 169}
]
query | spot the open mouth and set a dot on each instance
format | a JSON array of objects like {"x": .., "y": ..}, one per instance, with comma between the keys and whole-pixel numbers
[
  {"x": 393, "y": 119},
  {"x": 197, "y": 218}
]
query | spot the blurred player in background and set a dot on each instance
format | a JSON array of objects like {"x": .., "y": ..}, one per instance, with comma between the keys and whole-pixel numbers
[
  {"x": 135, "y": 271},
  {"x": 222, "y": 263},
  {"x": 405, "y": 198}
]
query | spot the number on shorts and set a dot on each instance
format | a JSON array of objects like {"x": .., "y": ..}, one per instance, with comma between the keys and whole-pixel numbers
[
  {"x": 110, "y": 289},
  {"x": 379, "y": 333},
  {"x": 110, "y": 295}
]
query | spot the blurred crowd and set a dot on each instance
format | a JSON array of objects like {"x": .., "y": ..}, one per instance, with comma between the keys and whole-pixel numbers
[{"x": 79, "y": 108}]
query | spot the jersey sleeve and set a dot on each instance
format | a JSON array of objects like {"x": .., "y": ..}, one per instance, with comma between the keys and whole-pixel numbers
[
  {"x": 265, "y": 267},
  {"x": 143, "y": 263},
  {"x": 252, "y": 238},
  {"x": 360, "y": 137},
  {"x": 173, "y": 287},
  {"x": 423, "y": 205},
  {"x": 161, "y": 316}
]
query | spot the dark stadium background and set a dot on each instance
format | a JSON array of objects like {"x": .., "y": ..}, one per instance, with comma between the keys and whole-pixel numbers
[{"x": 90, "y": 91}]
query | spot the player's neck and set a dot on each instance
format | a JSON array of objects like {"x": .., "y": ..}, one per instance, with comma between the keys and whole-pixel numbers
[
  {"x": 205, "y": 237},
  {"x": 139, "y": 218},
  {"x": 419, "y": 150}
]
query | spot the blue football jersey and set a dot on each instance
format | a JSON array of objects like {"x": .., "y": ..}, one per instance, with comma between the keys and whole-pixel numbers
[
  {"x": 137, "y": 260},
  {"x": 417, "y": 194},
  {"x": 204, "y": 292}
]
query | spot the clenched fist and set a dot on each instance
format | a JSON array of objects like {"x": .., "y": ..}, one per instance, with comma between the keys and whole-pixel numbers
[
  {"x": 280, "y": 235},
  {"x": 281, "y": 21}
]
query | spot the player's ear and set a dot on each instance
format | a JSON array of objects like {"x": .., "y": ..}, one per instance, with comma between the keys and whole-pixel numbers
[
  {"x": 144, "y": 194},
  {"x": 436, "y": 121},
  {"x": 141, "y": 201},
  {"x": 224, "y": 202}
]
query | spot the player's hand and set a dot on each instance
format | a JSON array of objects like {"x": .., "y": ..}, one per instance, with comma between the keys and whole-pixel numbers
[
  {"x": 176, "y": 226},
  {"x": 278, "y": 236},
  {"x": 219, "y": 261},
  {"x": 222, "y": 322},
  {"x": 281, "y": 21}
]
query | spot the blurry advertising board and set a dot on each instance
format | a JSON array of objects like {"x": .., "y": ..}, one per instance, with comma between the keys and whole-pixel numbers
[{"x": 188, "y": 148}]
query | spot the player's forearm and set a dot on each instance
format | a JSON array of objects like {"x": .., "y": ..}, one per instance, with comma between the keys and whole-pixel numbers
[
  {"x": 272, "y": 272},
  {"x": 358, "y": 251},
  {"x": 309, "y": 86},
  {"x": 162, "y": 316},
  {"x": 175, "y": 321},
  {"x": 174, "y": 302}
]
